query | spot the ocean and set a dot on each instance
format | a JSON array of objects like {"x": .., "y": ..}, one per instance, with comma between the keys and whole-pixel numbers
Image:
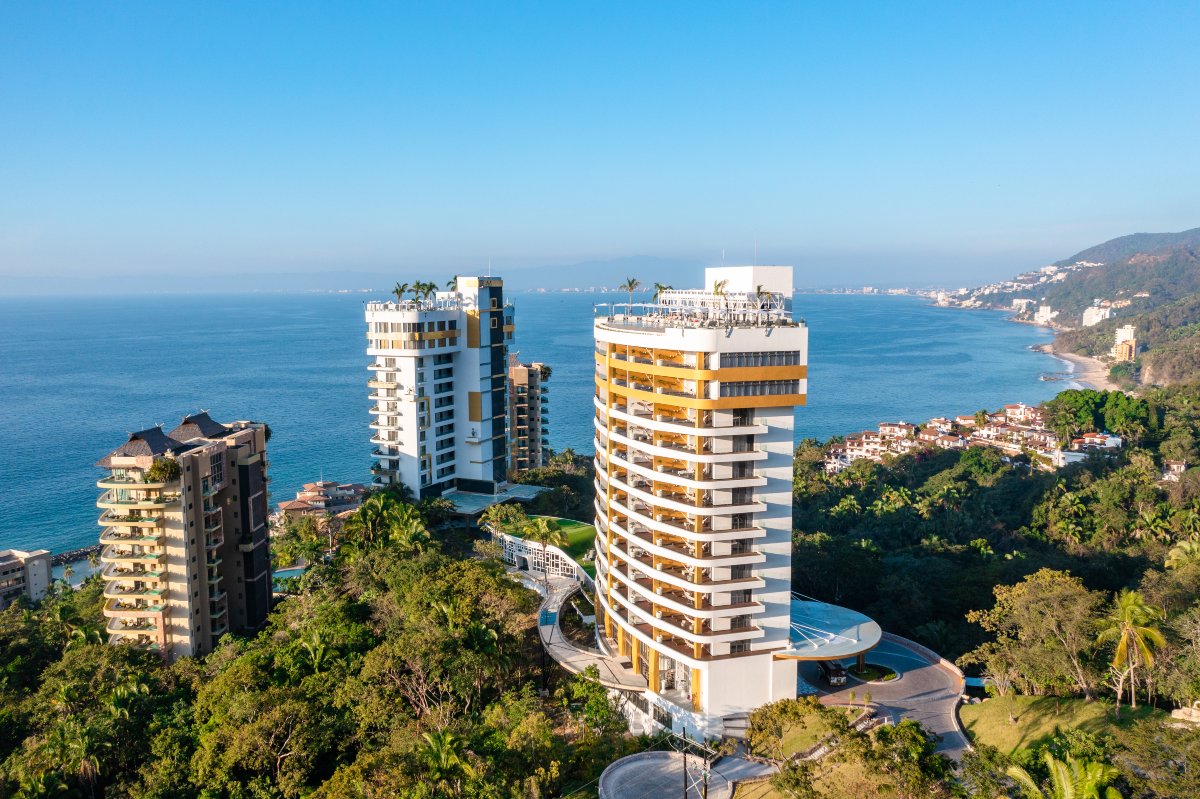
[{"x": 77, "y": 374}]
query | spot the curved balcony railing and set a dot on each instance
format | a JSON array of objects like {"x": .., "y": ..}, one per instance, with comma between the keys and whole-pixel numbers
[
  {"x": 110, "y": 554},
  {"x": 685, "y": 478},
  {"x": 146, "y": 536},
  {"x": 117, "y": 591},
  {"x": 681, "y": 626},
  {"x": 386, "y": 442},
  {"x": 126, "y": 482},
  {"x": 127, "y": 608},
  {"x": 110, "y": 500},
  {"x": 220, "y": 629},
  {"x": 116, "y": 571},
  {"x": 682, "y": 507},
  {"x": 676, "y": 451},
  {"x": 378, "y": 425},
  {"x": 108, "y": 518},
  {"x": 666, "y": 425},
  {"x": 671, "y": 526},
  {"x": 679, "y": 555},
  {"x": 682, "y": 602},
  {"x": 131, "y": 627},
  {"x": 684, "y": 579},
  {"x": 138, "y": 641}
]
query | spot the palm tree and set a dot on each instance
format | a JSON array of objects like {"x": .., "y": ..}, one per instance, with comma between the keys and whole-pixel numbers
[
  {"x": 659, "y": 288},
  {"x": 400, "y": 290},
  {"x": 1128, "y": 626},
  {"x": 631, "y": 285},
  {"x": 319, "y": 654},
  {"x": 1183, "y": 555},
  {"x": 427, "y": 289},
  {"x": 64, "y": 700},
  {"x": 81, "y": 746},
  {"x": 546, "y": 533},
  {"x": 719, "y": 290},
  {"x": 68, "y": 573},
  {"x": 93, "y": 560},
  {"x": 329, "y": 523},
  {"x": 443, "y": 753},
  {"x": 367, "y": 523},
  {"x": 452, "y": 283},
  {"x": 1070, "y": 779},
  {"x": 84, "y": 636}
]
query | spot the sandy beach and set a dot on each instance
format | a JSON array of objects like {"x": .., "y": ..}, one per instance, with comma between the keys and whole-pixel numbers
[{"x": 1088, "y": 371}]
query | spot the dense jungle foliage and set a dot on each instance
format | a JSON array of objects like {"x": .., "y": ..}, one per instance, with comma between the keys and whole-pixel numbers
[{"x": 406, "y": 665}]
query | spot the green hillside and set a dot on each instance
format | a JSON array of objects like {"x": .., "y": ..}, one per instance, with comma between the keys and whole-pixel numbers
[
  {"x": 1120, "y": 248},
  {"x": 1166, "y": 275},
  {"x": 1170, "y": 334}
]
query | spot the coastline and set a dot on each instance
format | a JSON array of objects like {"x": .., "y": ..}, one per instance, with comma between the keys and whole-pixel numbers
[{"x": 1089, "y": 371}]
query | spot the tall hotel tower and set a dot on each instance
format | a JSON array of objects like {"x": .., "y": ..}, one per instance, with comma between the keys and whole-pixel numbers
[
  {"x": 184, "y": 553},
  {"x": 440, "y": 388},
  {"x": 694, "y": 423}
]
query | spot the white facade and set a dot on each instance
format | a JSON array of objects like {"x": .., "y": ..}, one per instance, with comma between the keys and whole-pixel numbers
[
  {"x": 24, "y": 574},
  {"x": 1095, "y": 315},
  {"x": 694, "y": 441},
  {"x": 438, "y": 384}
]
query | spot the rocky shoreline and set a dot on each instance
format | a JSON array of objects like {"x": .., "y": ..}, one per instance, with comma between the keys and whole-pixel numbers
[
  {"x": 74, "y": 556},
  {"x": 1090, "y": 371}
]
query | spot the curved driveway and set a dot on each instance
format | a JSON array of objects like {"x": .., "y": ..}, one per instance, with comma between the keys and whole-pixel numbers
[{"x": 925, "y": 691}]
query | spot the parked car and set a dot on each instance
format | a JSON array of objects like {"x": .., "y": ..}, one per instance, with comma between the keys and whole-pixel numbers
[{"x": 832, "y": 672}]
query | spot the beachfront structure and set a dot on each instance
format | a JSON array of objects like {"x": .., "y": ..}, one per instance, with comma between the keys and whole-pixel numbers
[
  {"x": 185, "y": 556},
  {"x": 528, "y": 420},
  {"x": 1124, "y": 343},
  {"x": 24, "y": 574},
  {"x": 695, "y": 395},
  {"x": 439, "y": 383}
]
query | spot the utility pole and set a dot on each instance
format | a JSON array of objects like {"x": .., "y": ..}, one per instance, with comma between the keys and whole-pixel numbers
[{"x": 685, "y": 763}]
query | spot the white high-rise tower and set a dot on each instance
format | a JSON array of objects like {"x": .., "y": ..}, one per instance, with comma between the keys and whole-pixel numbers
[{"x": 440, "y": 388}]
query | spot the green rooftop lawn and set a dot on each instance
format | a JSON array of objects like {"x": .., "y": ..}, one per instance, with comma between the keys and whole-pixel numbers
[
  {"x": 987, "y": 722},
  {"x": 580, "y": 538}
]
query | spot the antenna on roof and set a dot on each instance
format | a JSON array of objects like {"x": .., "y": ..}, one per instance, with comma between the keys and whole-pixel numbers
[
  {"x": 489, "y": 266},
  {"x": 756, "y": 246}
]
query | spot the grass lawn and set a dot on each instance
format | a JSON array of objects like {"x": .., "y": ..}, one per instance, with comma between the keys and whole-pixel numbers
[
  {"x": 873, "y": 672},
  {"x": 580, "y": 538},
  {"x": 800, "y": 738},
  {"x": 841, "y": 781},
  {"x": 987, "y": 722}
]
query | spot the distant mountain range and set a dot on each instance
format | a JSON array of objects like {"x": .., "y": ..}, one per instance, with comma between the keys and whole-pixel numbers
[
  {"x": 1125, "y": 246},
  {"x": 1165, "y": 274}
]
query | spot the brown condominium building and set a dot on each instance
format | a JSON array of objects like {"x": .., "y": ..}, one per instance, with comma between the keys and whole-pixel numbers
[
  {"x": 528, "y": 422},
  {"x": 184, "y": 532}
]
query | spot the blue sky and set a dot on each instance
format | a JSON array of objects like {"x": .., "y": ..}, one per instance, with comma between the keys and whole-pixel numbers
[{"x": 864, "y": 143}]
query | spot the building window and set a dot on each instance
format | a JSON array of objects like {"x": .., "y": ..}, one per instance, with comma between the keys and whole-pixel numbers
[
  {"x": 740, "y": 572},
  {"x": 759, "y": 388},
  {"x": 743, "y": 359},
  {"x": 495, "y": 323},
  {"x": 737, "y": 647},
  {"x": 217, "y": 467}
]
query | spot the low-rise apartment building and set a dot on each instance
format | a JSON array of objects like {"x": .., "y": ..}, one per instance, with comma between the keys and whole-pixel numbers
[{"x": 24, "y": 574}]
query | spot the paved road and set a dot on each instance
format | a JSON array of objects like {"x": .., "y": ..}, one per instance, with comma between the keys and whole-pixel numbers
[{"x": 925, "y": 691}]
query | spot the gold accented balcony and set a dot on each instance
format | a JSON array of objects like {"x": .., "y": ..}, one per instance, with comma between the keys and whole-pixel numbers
[
  {"x": 109, "y": 518},
  {"x": 131, "y": 626},
  {"x": 110, "y": 554},
  {"x": 382, "y": 384}
]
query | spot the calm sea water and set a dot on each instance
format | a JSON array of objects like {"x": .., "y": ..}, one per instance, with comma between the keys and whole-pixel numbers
[{"x": 77, "y": 374}]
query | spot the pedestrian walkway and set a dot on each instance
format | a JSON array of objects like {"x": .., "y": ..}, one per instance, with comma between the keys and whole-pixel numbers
[{"x": 614, "y": 672}]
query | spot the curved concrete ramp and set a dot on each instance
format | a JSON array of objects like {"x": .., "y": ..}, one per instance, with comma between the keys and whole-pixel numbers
[{"x": 614, "y": 672}]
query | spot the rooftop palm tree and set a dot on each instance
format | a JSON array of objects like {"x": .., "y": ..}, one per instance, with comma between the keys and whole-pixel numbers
[
  {"x": 1129, "y": 627},
  {"x": 719, "y": 287},
  {"x": 546, "y": 533},
  {"x": 1070, "y": 779},
  {"x": 631, "y": 285},
  {"x": 452, "y": 283},
  {"x": 400, "y": 290},
  {"x": 427, "y": 289}
]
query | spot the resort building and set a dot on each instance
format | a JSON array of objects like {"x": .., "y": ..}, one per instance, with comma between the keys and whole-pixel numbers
[
  {"x": 25, "y": 574},
  {"x": 185, "y": 556},
  {"x": 694, "y": 402},
  {"x": 1125, "y": 343},
  {"x": 1094, "y": 315},
  {"x": 528, "y": 421},
  {"x": 439, "y": 386},
  {"x": 321, "y": 497}
]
